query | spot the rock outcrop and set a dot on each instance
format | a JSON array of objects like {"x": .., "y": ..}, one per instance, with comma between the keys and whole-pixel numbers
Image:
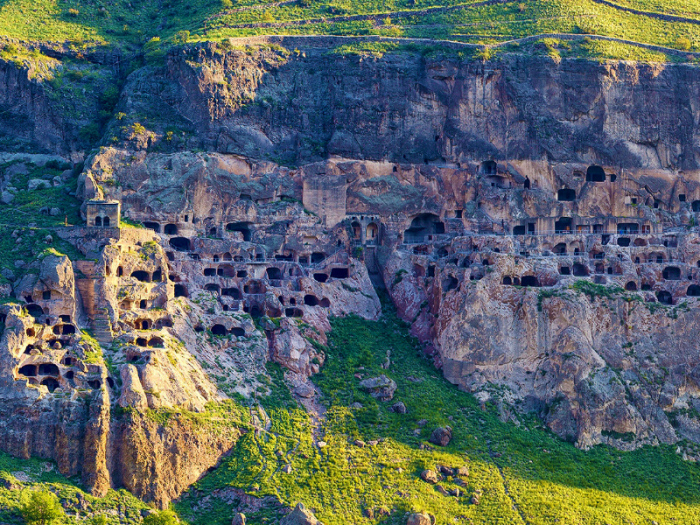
[{"x": 535, "y": 223}]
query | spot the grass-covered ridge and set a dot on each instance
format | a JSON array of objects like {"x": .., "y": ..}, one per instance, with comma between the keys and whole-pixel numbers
[
  {"x": 525, "y": 474},
  {"x": 138, "y": 22}
]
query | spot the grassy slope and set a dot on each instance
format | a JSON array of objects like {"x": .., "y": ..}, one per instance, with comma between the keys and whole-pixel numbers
[
  {"x": 80, "y": 505},
  {"x": 548, "y": 479},
  {"x": 134, "y": 23}
]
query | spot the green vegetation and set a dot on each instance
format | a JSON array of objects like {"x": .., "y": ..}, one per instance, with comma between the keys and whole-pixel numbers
[
  {"x": 548, "y": 479},
  {"x": 41, "y": 507},
  {"x": 154, "y": 26},
  {"x": 27, "y": 486},
  {"x": 166, "y": 517}
]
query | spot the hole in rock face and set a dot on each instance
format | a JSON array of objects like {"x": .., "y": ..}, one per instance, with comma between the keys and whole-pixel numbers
[
  {"x": 95, "y": 384},
  {"x": 110, "y": 382},
  {"x": 34, "y": 310},
  {"x": 180, "y": 290},
  {"x": 321, "y": 277},
  {"x": 529, "y": 280},
  {"x": 566, "y": 195},
  {"x": 231, "y": 292},
  {"x": 664, "y": 297},
  {"x": 48, "y": 369},
  {"x": 28, "y": 370},
  {"x": 50, "y": 382},
  {"x": 293, "y": 312},
  {"x": 671, "y": 273},
  {"x": 422, "y": 228},
  {"x": 170, "y": 229},
  {"x": 595, "y": 174},
  {"x": 152, "y": 226},
  {"x": 693, "y": 290},
  {"x": 142, "y": 276},
  {"x": 181, "y": 244},
  {"x": 507, "y": 281},
  {"x": 156, "y": 342},
  {"x": 237, "y": 331},
  {"x": 241, "y": 227},
  {"x": 274, "y": 273},
  {"x": 631, "y": 286},
  {"x": 218, "y": 329},
  {"x": 340, "y": 273},
  {"x": 325, "y": 303},
  {"x": 310, "y": 300}
]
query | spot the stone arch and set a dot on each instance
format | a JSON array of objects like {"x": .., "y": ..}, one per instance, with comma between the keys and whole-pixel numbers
[
  {"x": 372, "y": 232},
  {"x": 631, "y": 286},
  {"x": 560, "y": 249}
]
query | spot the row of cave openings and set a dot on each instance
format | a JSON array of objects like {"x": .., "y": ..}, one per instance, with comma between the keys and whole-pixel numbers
[
  {"x": 244, "y": 228},
  {"x": 594, "y": 173},
  {"x": 258, "y": 287},
  {"x": 221, "y": 331},
  {"x": 48, "y": 375}
]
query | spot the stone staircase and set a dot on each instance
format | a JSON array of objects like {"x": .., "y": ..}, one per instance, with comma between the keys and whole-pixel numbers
[{"x": 101, "y": 328}]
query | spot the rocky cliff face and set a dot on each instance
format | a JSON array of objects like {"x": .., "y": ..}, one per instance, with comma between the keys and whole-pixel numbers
[
  {"x": 534, "y": 221},
  {"x": 405, "y": 108}
]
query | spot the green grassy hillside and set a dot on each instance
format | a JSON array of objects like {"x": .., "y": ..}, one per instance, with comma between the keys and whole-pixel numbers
[
  {"x": 135, "y": 23},
  {"x": 522, "y": 472}
]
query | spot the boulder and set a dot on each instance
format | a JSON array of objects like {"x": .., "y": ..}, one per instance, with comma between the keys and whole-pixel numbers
[
  {"x": 35, "y": 184},
  {"x": 420, "y": 518},
  {"x": 462, "y": 471},
  {"x": 441, "y": 436},
  {"x": 304, "y": 391},
  {"x": 429, "y": 476},
  {"x": 380, "y": 387},
  {"x": 300, "y": 516},
  {"x": 398, "y": 407}
]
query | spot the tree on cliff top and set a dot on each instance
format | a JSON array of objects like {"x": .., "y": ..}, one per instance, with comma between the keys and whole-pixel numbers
[{"x": 41, "y": 507}]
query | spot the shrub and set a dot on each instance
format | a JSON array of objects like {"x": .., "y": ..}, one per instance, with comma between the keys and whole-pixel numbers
[
  {"x": 166, "y": 517},
  {"x": 181, "y": 37},
  {"x": 683, "y": 43},
  {"x": 73, "y": 12},
  {"x": 41, "y": 507},
  {"x": 226, "y": 4}
]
